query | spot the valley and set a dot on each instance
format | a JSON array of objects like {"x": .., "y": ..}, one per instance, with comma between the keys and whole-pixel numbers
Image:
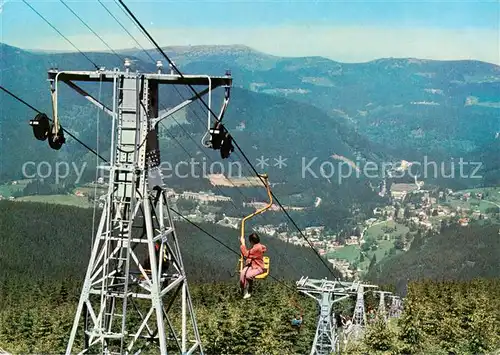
[{"x": 387, "y": 232}]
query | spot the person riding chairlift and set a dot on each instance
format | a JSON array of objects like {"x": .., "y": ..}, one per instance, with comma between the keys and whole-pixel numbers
[
  {"x": 254, "y": 262},
  {"x": 348, "y": 328},
  {"x": 147, "y": 261},
  {"x": 297, "y": 321}
]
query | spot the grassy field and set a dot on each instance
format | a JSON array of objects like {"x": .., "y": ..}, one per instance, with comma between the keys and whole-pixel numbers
[
  {"x": 89, "y": 190},
  {"x": 473, "y": 204},
  {"x": 380, "y": 253},
  {"x": 7, "y": 190},
  {"x": 348, "y": 252},
  {"x": 58, "y": 199},
  {"x": 493, "y": 193},
  {"x": 491, "y": 199},
  {"x": 351, "y": 253},
  {"x": 377, "y": 230}
]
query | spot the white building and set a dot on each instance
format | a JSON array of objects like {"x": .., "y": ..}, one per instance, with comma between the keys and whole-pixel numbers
[{"x": 204, "y": 197}]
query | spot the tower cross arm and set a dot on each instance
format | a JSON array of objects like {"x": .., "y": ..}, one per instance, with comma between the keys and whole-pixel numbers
[
  {"x": 312, "y": 295},
  {"x": 179, "y": 107},
  {"x": 89, "y": 97},
  {"x": 193, "y": 80},
  {"x": 109, "y": 75}
]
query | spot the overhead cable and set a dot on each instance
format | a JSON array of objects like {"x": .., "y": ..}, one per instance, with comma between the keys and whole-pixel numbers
[{"x": 59, "y": 32}]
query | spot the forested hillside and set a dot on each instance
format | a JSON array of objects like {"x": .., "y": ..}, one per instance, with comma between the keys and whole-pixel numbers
[
  {"x": 457, "y": 253},
  {"x": 38, "y": 318},
  {"x": 440, "y": 317},
  {"x": 45, "y": 250},
  {"x": 44, "y": 254},
  {"x": 58, "y": 238}
]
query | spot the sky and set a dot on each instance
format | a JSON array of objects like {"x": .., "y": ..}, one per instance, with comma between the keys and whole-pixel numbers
[{"x": 346, "y": 31}]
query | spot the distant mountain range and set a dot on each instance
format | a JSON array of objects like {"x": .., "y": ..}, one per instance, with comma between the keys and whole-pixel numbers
[
  {"x": 411, "y": 107},
  {"x": 387, "y": 109},
  {"x": 414, "y": 107}
]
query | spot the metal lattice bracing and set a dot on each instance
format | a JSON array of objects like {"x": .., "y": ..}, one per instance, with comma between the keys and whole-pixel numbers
[
  {"x": 382, "y": 313},
  {"x": 396, "y": 307},
  {"x": 359, "y": 316},
  {"x": 135, "y": 296},
  {"x": 326, "y": 339}
]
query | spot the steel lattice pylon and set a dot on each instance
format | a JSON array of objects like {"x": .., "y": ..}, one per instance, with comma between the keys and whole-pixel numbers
[
  {"x": 395, "y": 308},
  {"x": 359, "y": 316},
  {"x": 381, "y": 305},
  {"x": 131, "y": 300},
  {"x": 326, "y": 339}
]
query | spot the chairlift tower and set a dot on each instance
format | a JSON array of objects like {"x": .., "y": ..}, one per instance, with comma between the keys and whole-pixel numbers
[
  {"x": 395, "y": 308},
  {"x": 359, "y": 316},
  {"x": 381, "y": 305},
  {"x": 326, "y": 339},
  {"x": 126, "y": 303}
]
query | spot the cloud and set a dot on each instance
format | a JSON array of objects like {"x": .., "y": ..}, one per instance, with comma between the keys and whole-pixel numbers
[{"x": 345, "y": 44}]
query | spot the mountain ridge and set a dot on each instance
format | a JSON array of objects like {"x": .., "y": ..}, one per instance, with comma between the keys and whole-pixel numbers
[{"x": 241, "y": 48}]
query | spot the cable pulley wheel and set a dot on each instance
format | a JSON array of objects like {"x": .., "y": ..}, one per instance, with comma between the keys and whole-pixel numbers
[
  {"x": 56, "y": 140},
  {"x": 41, "y": 126}
]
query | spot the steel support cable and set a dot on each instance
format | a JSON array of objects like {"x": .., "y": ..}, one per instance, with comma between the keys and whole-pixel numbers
[
  {"x": 99, "y": 37},
  {"x": 180, "y": 95},
  {"x": 186, "y": 151},
  {"x": 203, "y": 124},
  {"x": 146, "y": 33},
  {"x": 106, "y": 44},
  {"x": 223, "y": 244},
  {"x": 151, "y": 59},
  {"x": 125, "y": 29},
  {"x": 220, "y": 191},
  {"x": 276, "y": 199},
  {"x": 198, "y": 96},
  {"x": 232, "y": 183},
  {"x": 286, "y": 212},
  {"x": 59, "y": 32},
  {"x": 211, "y": 160},
  {"x": 292, "y": 290},
  {"x": 64, "y": 130},
  {"x": 151, "y": 39},
  {"x": 91, "y": 30},
  {"x": 291, "y": 264}
]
